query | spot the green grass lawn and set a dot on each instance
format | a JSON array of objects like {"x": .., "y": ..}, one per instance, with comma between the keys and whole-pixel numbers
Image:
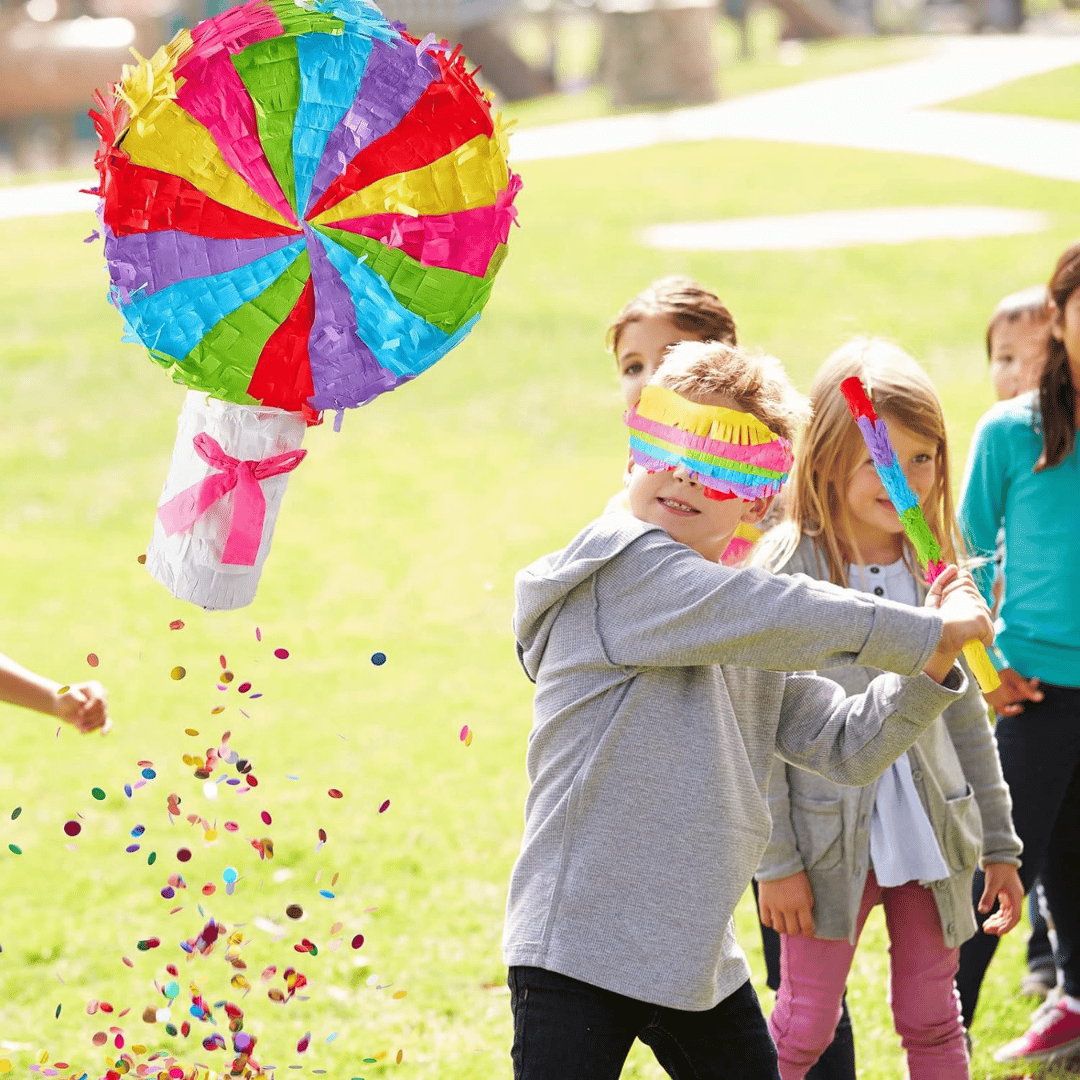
[
  {"x": 771, "y": 63},
  {"x": 1053, "y": 94},
  {"x": 400, "y": 535}
]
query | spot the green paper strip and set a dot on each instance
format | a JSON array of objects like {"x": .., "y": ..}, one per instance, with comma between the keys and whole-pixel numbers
[
  {"x": 223, "y": 362},
  {"x": 298, "y": 20},
  {"x": 270, "y": 71},
  {"x": 445, "y": 298},
  {"x": 926, "y": 546}
]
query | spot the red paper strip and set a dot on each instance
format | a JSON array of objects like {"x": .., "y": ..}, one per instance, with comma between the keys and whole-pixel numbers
[
  {"x": 282, "y": 376},
  {"x": 141, "y": 199},
  {"x": 445, "y": 116}
]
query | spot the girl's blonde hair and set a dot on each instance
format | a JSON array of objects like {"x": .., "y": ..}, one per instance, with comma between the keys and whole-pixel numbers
[{"x": 832, "y": 447}]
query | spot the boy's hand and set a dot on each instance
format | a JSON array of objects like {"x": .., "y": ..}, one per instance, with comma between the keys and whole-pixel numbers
[
  {"x": 1003, "y": 885},
  {"x": 965, "y": 617},
  {"x": 1008, "y": 698},
  {"x": 785, "y": 904},
  {"x": 85, "y": 707}
]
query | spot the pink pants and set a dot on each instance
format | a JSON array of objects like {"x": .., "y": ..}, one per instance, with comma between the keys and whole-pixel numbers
[{"x": 926, "y": 1009}]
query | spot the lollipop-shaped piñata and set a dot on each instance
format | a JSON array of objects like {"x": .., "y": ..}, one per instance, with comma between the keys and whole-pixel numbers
[{"x": 303, "y": 208}]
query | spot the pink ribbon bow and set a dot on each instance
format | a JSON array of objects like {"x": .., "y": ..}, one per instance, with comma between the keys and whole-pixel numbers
[{"x": 249, "y": 503}]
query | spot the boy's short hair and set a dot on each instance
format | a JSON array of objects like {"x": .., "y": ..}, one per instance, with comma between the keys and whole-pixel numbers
[
  {"x": 1030, "y": 303},
  {"x": 690, "y": 306},
  {"x": 755, "y": 381}
]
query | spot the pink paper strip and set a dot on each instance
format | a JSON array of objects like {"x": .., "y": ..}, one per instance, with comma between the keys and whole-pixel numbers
[
  {"x": 463, "y": 241},
  {"x": 249, "y": 503},
  {"x": 214, "y": 94}
]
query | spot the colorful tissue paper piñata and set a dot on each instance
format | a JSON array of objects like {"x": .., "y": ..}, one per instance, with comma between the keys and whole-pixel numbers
[
  {"x": 906, "y": 504},
  {"x": 733, "y": 455},
  {"x": 303, "y": 208}
]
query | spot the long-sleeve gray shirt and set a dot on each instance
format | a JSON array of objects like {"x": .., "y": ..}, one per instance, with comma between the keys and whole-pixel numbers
[{"x": 662, "y": 695}]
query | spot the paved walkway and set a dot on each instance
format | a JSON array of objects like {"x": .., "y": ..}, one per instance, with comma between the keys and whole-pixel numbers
[{"x": 887, "y": 108}]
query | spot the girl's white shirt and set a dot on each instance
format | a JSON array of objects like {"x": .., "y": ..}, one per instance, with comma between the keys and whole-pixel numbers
[{"x": 903, "y": 847}]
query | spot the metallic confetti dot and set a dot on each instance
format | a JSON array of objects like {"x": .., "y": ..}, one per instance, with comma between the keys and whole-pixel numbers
[
  {"x": 322, "y": 835},
  {"x": 232, "y": 826},
  {"x": 303, "y": 1044},
  {"x": 183, "y": 854},
  {"x": 227, "y": 677},
  {"x": 151, "y": 858},
  {"x": 282, "y": 654},
  {"x": 172, "y": 990},
  {"x": 141, "y": 560},
  {"x": 217, "y": 710},
  {"x": 468, "y": 739},
  {"x": 127, "y": 790},
  {"x": 138, "y": 830},
  {"x": 148, "y": 774},
  {"x": 100, "y": 1038},
  {"x": 326, "y": 894},
  {"x": 265, "y": 815},
  {"x": 229, "y": 875},
  {"x": 168, "y": 892},
  {"x": 64, "y": 690},
  {"x": 294, "y": 911},
  {"x": 176, "y": 624},
  {"x": 334, "y": 793},
  {"x": 92, "y": 659},
  {"x": 191, "y": 731},
  {"x": 399, "y": 994},
  {"x": 58, "y": 1008},
  {"x": 16, "y": 812},
  {"x": 131, "y": 848},
  {"x": 209, "y": 889},
  {"x": 385, "y": 806},
  {"x": 378, "y": 659},
  {"x": 400, "y": 1055},
  {"x": 258, "y": 634},
  {"x": 223, "y": 662},
  {"x": 97, "y": 793},
  {"x": 358, "y": 941},
  {"x": 178, "y": 672},
  {"x": 254, "y": 696},
  {"x": 72, "y": 828},
  {"x": 463, "y": 733},
  {"x": 243, "y": 688}
]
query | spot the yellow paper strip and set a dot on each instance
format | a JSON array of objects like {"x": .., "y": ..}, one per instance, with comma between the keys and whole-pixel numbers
[
  {"x": 174, "y": 142},
  {"x": 665, "y": 406},
  {"x": 471, "y": 175}
]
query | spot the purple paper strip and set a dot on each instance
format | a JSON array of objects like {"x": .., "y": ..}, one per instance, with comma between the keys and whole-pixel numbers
[
  {"x": 876, "y": 436},
  {"x": 150, "y": 262},
  {"x": 344, "y": 371},
  {"x": 393, "y": 81}
]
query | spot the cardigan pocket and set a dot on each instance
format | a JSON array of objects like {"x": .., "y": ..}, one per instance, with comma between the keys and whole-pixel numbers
[
  {"x": 963, "y": 832},
  {"x": 819, "y": 828}
]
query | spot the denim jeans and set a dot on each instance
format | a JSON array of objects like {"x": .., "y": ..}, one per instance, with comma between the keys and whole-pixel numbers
[
  {"x": 570, "y": 1030},
  {"x": 1040, "y": 759}
]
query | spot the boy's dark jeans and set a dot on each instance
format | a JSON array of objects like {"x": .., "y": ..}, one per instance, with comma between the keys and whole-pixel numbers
[
  {"x": 1040, "y": 759},
  {"x": 570, "y": 1030}
]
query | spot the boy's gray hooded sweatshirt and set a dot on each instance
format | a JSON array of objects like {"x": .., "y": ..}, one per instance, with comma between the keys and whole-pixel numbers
[{"x": 661, "y": 698}]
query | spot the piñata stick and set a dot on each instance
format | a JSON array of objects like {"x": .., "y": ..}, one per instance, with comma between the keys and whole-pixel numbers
[{"x": 907, "y": 506}]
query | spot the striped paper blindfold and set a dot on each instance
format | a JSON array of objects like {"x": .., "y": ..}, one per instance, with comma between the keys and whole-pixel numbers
[{"x": 733, "y": 455}]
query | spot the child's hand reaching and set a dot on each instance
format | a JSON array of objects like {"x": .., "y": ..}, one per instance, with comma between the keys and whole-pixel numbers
[
  {"x": 1002, "y": 885},
  {"x": 84, "y": 706},
  {"x": 1008, "y": 698},
  {"x": 965, "y": 617},
  {"x": 785, "y": 904}
]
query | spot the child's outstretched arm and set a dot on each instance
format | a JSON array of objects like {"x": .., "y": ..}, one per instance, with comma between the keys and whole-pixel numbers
[
  {"x": 83, "y": 705},
  {"x": 965, "y": 617}
]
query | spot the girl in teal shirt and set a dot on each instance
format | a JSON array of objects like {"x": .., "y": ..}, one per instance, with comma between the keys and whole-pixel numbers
[{"x": 1023, "y": 476}]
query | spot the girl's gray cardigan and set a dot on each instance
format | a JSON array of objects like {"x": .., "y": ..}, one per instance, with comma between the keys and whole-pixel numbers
[{"x": 824, "y": 828}]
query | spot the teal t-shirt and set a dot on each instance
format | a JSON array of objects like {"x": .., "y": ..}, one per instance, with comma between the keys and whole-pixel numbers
[{"x": 1038, "y": 630}]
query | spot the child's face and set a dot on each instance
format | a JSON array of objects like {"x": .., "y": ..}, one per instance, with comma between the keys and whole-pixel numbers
[
  {"x": 878, "y": 532},
  {"x": 1017, "y": 354},
  {"x": 681, "y": 508},
  {"x": 641, "y": 349}
]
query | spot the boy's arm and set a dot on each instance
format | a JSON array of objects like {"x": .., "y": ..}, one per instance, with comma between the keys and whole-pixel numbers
[
  {"x": 852, "y": 740},
  {"x": 83, "y": 705},
  {"x": 660, "y": 604}
]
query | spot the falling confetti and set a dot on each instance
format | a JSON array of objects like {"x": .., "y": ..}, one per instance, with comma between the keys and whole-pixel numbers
[
  {"x": 385, "y": 806},
  {"x": 334, "y": 793},
  {"x": 16, "y": 812},
  {"x": 92, "y": 659},
  {"x": 178, "y": 673},
  {"x": 72, "y": 828},
  {"x": 378, "y": 659},
  {"x": 176, "y": 624},
  {"x": 282, "y": 654}
]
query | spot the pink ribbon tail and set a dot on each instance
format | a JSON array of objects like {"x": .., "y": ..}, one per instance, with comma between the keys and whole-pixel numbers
[{"x": 249, "y": 503}]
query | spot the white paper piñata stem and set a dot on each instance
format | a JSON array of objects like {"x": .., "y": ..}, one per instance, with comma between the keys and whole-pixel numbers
[{"x": 190, "y": 563}]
